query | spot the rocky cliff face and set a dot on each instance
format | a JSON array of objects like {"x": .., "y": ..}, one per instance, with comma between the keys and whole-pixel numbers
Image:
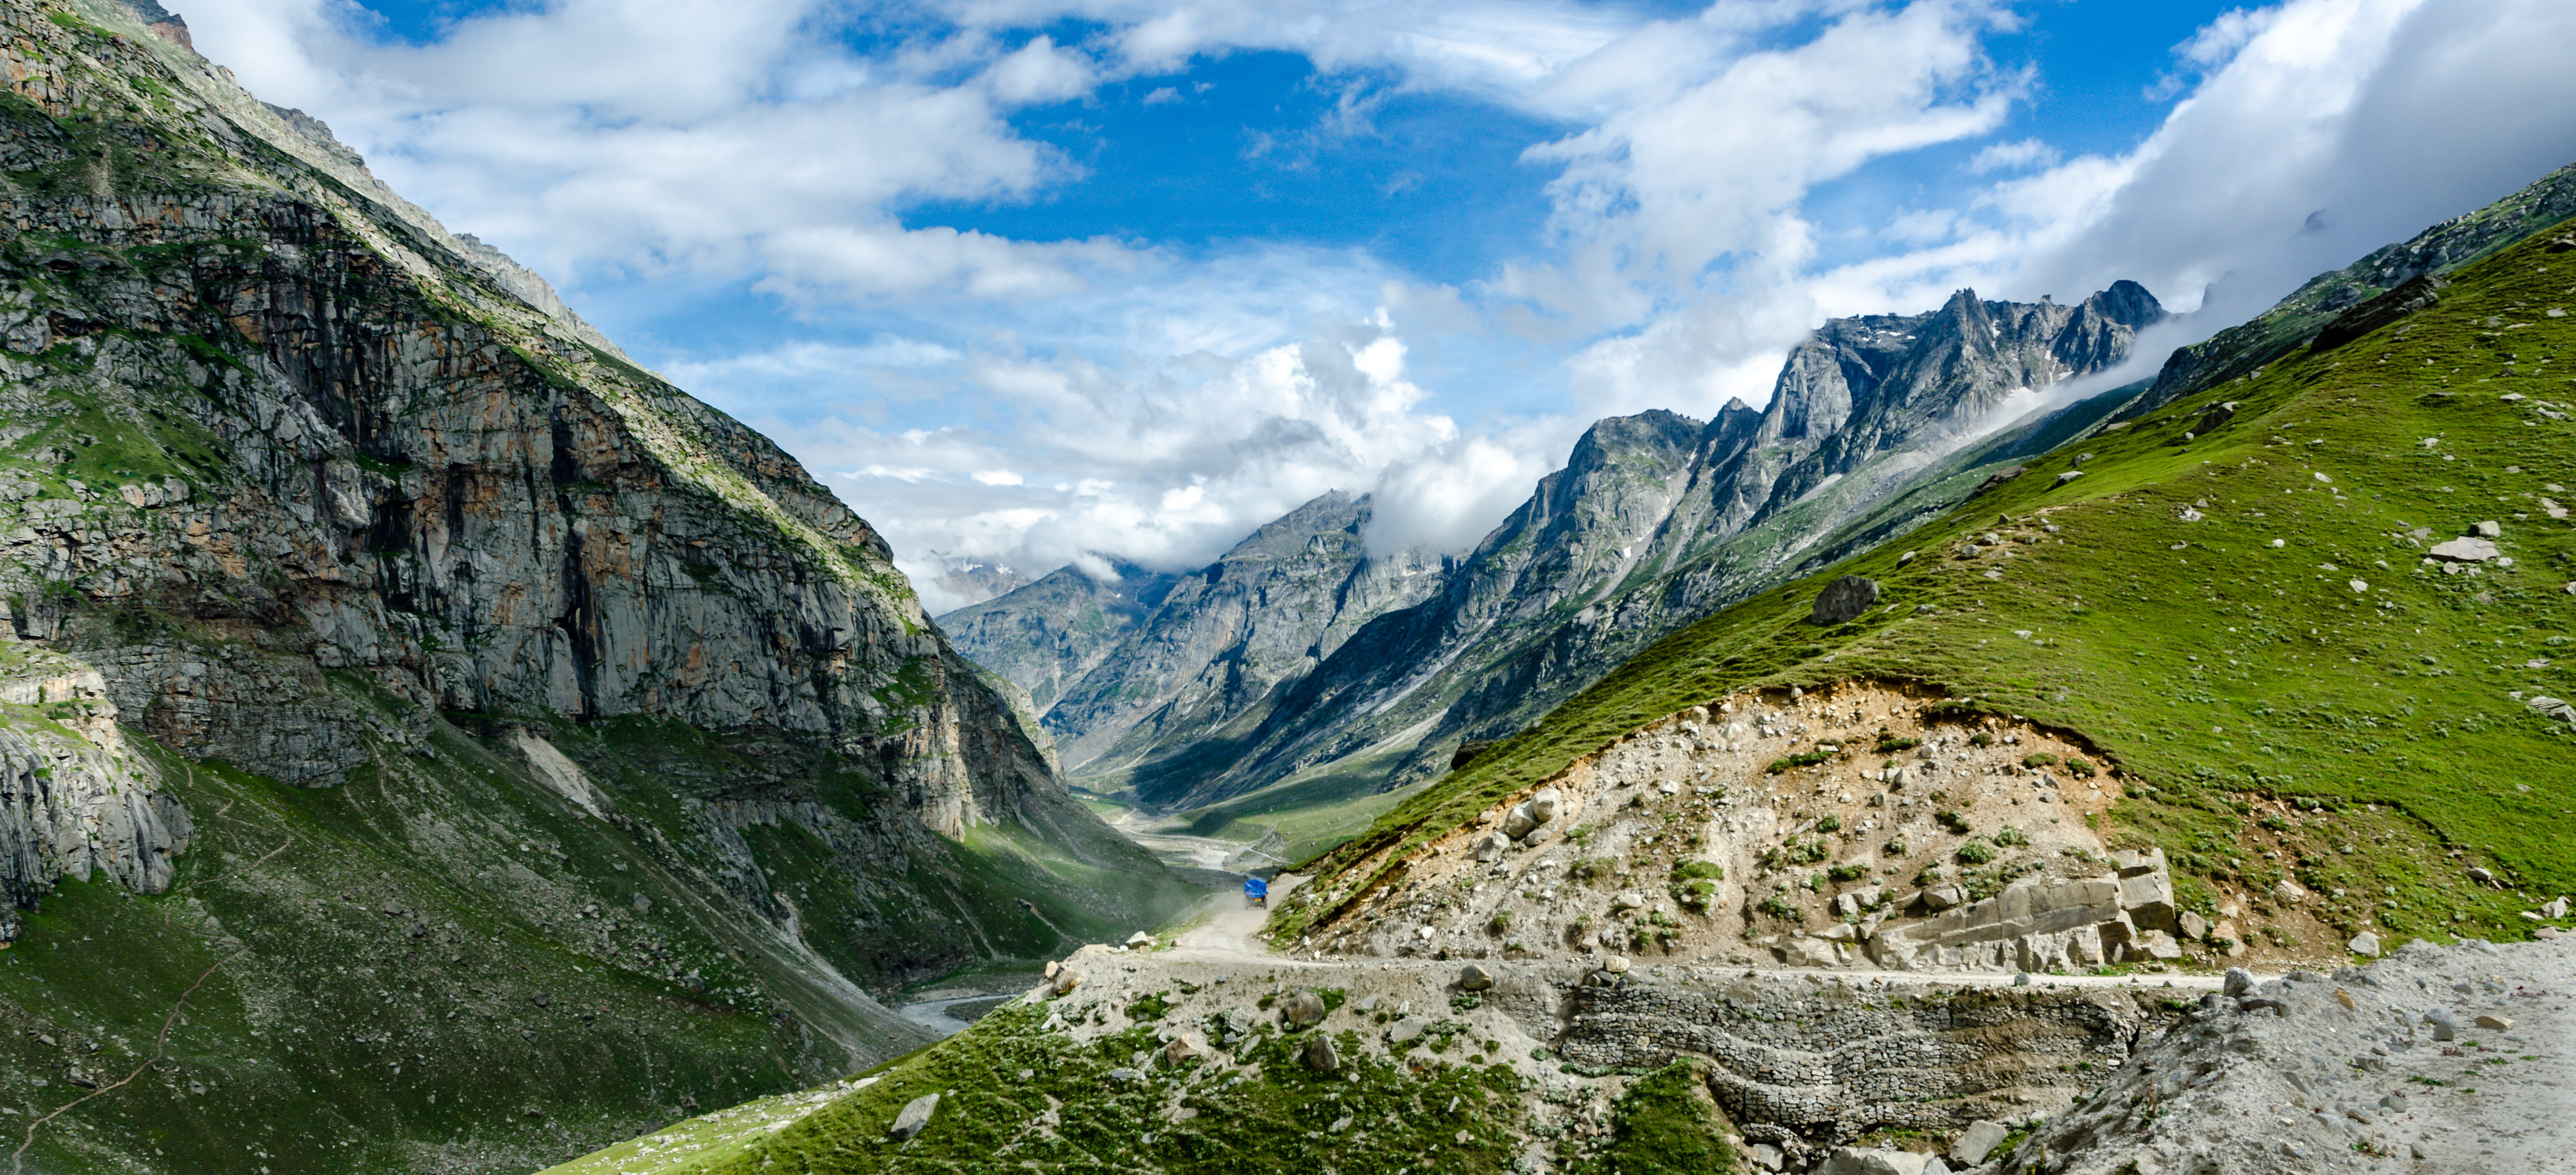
[
  {"x": 1655, "y": 519},
  {"x": 333, "y": 545}
]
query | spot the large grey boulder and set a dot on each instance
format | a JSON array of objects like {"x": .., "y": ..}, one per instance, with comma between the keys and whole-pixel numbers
[
  {"x": 916, "y": 1114},
  {"x": 1977, "y": 1141},
  {"x": 1844, "y": 599}
]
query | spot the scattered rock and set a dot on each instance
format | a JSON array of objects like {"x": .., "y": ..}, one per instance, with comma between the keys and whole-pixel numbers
[
  {"x": 2364, "y": 943},
  {"x": 1320, "y": 1055},
  {"x": 1628, "y": 899},
  {"x": 916, "y": 1114},
  {"x": 2493, "y": 1023},
  {"x": 1474, "y": 978}
]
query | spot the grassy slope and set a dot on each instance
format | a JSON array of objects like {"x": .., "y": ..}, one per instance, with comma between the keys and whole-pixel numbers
[{"x": 2226, "y": 669}]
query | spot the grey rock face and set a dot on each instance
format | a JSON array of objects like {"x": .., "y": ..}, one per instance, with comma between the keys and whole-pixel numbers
[
  {"x": 1844, "y": 599},
  {"x": 75, "y": 804}
]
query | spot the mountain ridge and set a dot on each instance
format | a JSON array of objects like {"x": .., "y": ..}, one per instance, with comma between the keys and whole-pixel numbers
[{"x": 1652, "y": 516}]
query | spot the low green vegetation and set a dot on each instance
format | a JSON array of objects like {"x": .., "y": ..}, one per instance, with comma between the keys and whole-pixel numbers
[
  {"x": 1016, "y": 1096},
  {"x": 1665, "y": 1124}
]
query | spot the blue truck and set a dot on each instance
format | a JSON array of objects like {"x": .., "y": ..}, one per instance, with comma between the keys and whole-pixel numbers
[{"x": 1256, "y": 892}]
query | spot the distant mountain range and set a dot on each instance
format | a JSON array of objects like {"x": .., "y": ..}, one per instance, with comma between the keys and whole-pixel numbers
[{"x": 1299, "y": 648}]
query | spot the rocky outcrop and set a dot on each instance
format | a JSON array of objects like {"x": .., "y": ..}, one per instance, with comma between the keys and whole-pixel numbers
[
  {"x": 74, "y": 798},
  {"x": 1804, "y": 1067}
]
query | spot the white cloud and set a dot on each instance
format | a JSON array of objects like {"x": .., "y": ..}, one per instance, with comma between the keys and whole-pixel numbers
[
  {"x": 2014, "y": 156},
  {"x": 1050, "y": 398}
]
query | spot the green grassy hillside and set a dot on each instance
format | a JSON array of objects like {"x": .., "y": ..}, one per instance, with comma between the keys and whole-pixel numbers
[{"x": 2237, "y": 619}]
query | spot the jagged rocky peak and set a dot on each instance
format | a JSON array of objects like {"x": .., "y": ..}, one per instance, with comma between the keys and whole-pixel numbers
[
  {"x": 1129, "y": 663},
  {"x": 1888, "y": 372}
]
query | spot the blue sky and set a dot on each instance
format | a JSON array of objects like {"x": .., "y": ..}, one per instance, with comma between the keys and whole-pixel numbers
[{"x": 1023, "y": 279}]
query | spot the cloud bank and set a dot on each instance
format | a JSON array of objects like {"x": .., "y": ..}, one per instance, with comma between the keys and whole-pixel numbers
[{"x": 738, "y": 191}]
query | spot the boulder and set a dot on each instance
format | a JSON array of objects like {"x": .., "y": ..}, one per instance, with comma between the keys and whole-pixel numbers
[
  {"x": 2238, "y": 982},
  {"x": 2136, "y": 862},
  {"x": 1844, "y": 599},
  {"x": 2555, "y": 910},
  {"x": 1852, "y": 1160},
  {"x": 1302, "y": 1009},
  {"x": 2148, "y": 898},
  {"x": 2289, "y": 893},
  {"x": 1518, "y": 822},
  {"x": 1320, "y": 1054},
  {"x": 1615, "y": 964},
  {"x": 1542, "y": 807},
  {"x": 1139, "y": 939},
  {"x": 1977, "y": 1141},
  {"x": 2159, "y": 945},
  {"x": 2194, "y": 927},
  {"x": 1181, "y": 1048},
  {"x": 916, "y": 1114},
  {"x": 2494, "y": 1023},
  {"x": 2471, "y": 550},
  {"x": 1474, "y": 978},
  {"x": 2214, "y": 419},
  {"x": 1942, "y": 897},
  {"x": 2364, "y": 943},
  {"x": 1491, "y": 846},
  {"x": 1764, "y": 1155},
  {"x": 1067, "y": 979},
  {"x": 1628, "y": 899}
]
